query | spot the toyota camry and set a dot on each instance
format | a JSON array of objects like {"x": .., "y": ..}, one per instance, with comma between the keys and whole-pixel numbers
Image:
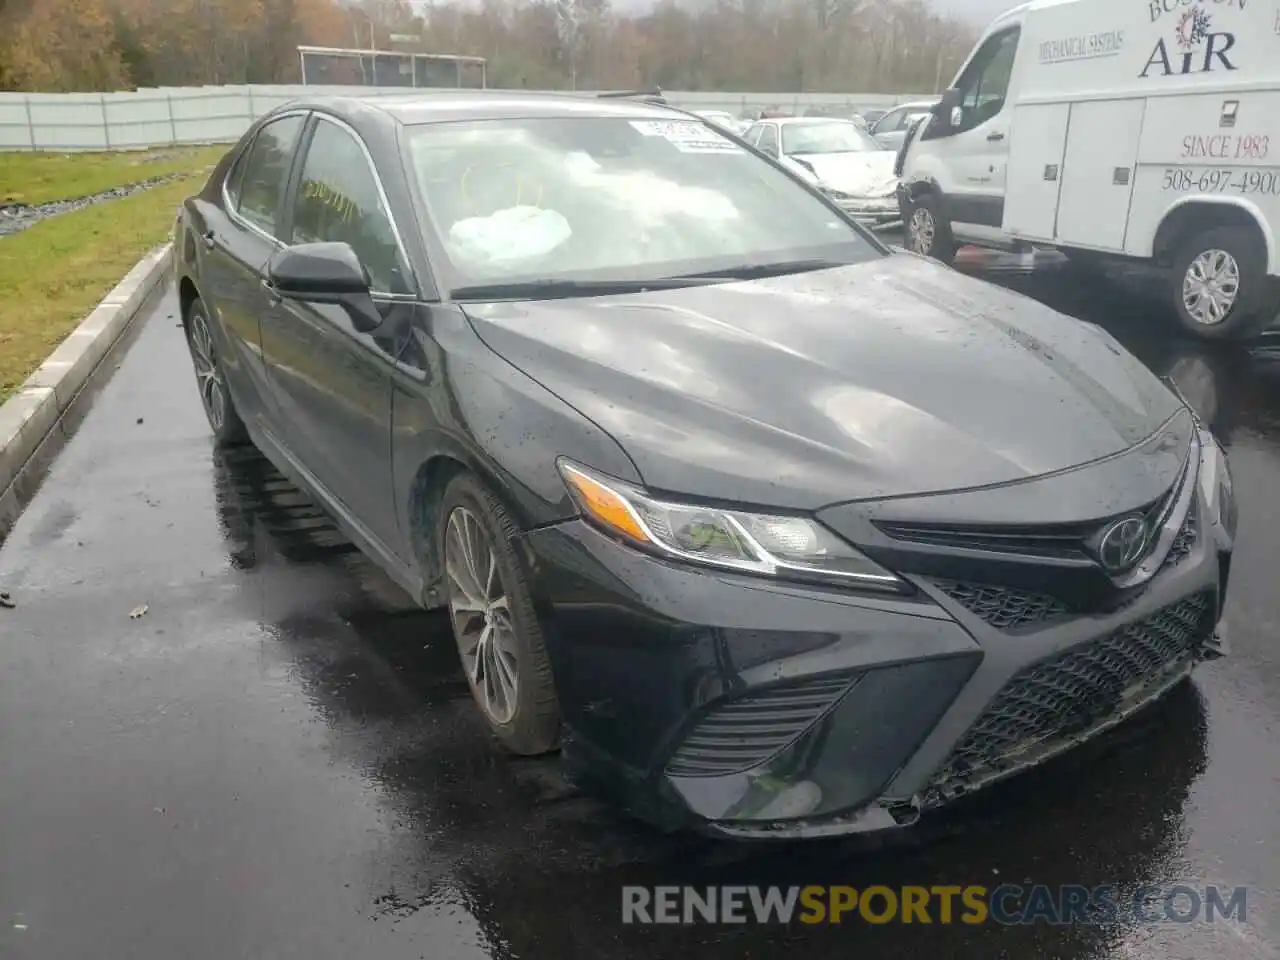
[{"x": 771, "y": 529}]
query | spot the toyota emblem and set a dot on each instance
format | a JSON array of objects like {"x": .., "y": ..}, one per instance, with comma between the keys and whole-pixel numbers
[{"x": 1123, "y": 544}]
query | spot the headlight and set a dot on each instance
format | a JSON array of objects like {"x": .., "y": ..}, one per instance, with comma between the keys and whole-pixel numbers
[{"x": 791, "y": 547}]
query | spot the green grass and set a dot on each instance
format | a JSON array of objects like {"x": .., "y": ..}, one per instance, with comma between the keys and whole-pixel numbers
[
  {"x": 53, "y": 274},
  {"x": 40, "y": 177}
]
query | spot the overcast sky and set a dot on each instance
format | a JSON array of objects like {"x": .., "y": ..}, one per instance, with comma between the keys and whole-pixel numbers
[{"x": 979, "y": 12}]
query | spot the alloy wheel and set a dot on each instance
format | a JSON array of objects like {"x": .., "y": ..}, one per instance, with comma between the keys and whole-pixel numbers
[
  {"x": 921, "y": 231},
  {"x": 481, "y": 613},
  {"x": 213, "y": 391},
  {"x": 1211, "y": 286}
]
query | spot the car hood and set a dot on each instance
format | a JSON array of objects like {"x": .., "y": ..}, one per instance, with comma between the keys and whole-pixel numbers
[
  {"x": 893, "y": 377},
  {"x": 858, "y": 174}
]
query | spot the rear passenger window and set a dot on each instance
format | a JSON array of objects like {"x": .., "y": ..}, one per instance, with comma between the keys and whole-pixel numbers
[{"x": 259, "y": 181}]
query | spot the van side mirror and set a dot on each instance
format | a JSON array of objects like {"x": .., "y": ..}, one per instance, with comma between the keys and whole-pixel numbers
[
  {"x": 957, "y": 117},
  {"x": 951, "y": 98}
]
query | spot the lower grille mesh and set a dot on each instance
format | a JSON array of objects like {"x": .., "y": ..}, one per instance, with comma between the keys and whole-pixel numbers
[
  {"x": 1067, "y": 695},
  {"x": 1002, "y": 607},
  {"x": 747, "y": 730}
]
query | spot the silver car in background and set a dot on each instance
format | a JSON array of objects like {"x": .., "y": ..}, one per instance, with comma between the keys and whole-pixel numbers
[
  {"x": 841, "y": 159},
  {"x": 724, "y": 120},
  {"x": 891, "y": 129}
]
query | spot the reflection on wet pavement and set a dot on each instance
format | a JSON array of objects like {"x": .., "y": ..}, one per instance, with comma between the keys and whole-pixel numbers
[{"x": 280, "y": 759}]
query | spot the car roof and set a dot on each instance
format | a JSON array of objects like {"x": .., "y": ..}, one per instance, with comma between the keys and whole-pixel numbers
[
  {"x": 442, "y": 106},
  {"x": 914, "y": 104},
  {"x": 788, "y": 120}
]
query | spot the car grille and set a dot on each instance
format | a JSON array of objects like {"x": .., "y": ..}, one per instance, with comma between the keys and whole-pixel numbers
[
  {"x": 1063, "y": 697},
  {"x": 1063, "y": 540},
  {"x": 1048, "y": 541},
  {"x": 1003, "y": 607},
  {"x": 740, "y": 733}
]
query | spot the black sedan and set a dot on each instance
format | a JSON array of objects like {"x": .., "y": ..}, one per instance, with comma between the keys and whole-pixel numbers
[{"x": 775, "y": 530}]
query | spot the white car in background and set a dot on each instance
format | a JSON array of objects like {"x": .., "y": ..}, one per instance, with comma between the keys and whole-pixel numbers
[
  {"x": 724, "y": 120},
  {"x": 891, "y": 129},
  {"x": 840, "y": 158}
]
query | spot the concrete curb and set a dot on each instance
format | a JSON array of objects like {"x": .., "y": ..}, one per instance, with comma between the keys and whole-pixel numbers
[{"x": 31, "y": 414}]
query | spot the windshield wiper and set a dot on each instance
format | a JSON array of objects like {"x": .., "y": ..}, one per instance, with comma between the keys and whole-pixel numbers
[
  {"x": 560, "y": 289},
  {"x": 757, "y": 271}
]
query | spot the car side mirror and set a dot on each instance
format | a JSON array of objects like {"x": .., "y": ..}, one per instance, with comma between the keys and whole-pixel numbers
[
  {"x": 956, "y": 120},
  {"x": 319, "y": 272},
  {"x": 951, "y": 98},
  {"x": 325, "y": 273}
]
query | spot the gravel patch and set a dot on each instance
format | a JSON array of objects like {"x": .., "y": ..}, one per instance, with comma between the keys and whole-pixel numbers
[{"x": 16, "y": 217}]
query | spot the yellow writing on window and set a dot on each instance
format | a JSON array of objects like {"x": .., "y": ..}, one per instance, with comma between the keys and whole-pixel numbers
[{"x": 328, "y": 196}]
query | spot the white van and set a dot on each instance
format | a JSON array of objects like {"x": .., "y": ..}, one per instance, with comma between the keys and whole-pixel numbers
[{"x": 1141, "y": 129}]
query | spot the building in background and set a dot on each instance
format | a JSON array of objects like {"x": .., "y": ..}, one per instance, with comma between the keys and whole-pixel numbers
[{"x": 332, "y": 66}]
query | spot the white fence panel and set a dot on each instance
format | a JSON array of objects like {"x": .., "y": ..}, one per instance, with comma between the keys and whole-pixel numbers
[
  {"x": 15, "y": 123},
  {"x": 68, "y": 121},
  {"x": 209, "y": 114},
  {"x": 165, "y": 116},
  {"x": 135, "y": 120}
]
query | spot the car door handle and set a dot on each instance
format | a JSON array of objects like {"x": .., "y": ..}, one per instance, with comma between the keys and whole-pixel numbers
[
  {"x": 995, "y": 136},
  {"x": 207, "y": 237},
  {"x": 273, "y": 298}
]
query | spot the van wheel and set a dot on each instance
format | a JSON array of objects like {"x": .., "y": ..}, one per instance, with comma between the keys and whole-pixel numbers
[
  {"x": 494, "y": 623},
  {"x": 928, "y": 232},
  {"x": 1219, "y": 285}
]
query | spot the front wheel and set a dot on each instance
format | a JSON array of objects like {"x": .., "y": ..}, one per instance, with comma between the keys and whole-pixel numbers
[
  {"x": 1219, "y": 285},
  {"x": 494, "y": 623},
  {"x": 928, "y": 233}
]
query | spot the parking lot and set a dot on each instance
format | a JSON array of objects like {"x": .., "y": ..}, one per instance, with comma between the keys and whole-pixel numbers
[{"x": 224, "y": 734}]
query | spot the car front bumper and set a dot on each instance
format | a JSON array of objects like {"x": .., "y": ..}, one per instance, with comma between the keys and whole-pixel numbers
[
  {"x": 748, "y": 707},
  {"x": 878, "y": 213}
]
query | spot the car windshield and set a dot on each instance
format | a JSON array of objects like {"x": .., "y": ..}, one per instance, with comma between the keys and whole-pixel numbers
[
  {"x": 608, "y": 199},
  {"x": 826, "y": 136}
]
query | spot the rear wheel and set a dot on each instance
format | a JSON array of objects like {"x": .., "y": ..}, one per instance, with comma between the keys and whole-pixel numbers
[
  {"x": 928, "y": 233},
  {"x": 228, "y": 428},
  {"x": 1219, "y": 285},
  {"x": 494, "y": 622}
]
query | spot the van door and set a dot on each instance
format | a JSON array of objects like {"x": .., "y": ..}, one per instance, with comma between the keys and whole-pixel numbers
[
  {"x": 1098, "y": 173},
  {"x": 1037, "y": 145},
  {"x": 976, "y": 152}
]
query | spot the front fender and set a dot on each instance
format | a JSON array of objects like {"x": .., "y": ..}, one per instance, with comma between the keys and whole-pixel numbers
[{"x": 458, "y": 404}]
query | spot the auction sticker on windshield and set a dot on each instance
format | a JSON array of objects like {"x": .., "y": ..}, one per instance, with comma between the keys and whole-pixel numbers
[{"x": 686, "y": 136}]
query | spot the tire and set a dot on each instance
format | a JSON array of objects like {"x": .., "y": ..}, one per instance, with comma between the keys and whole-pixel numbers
[
  {"x": 927, "y": 232},
  {"x": 219, "y": 408},
  {"x": 513, "y": 665},
  {"x": 1232, "y": 261}
]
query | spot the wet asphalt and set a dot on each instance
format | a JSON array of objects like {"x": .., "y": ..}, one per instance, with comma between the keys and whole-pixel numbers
[{"x": 276, "y": 756}]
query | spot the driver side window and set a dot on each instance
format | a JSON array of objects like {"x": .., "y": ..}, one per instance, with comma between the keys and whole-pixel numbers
[
  {"x": 986, "y": 81},
  {"x": 338, "y": 200}
]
